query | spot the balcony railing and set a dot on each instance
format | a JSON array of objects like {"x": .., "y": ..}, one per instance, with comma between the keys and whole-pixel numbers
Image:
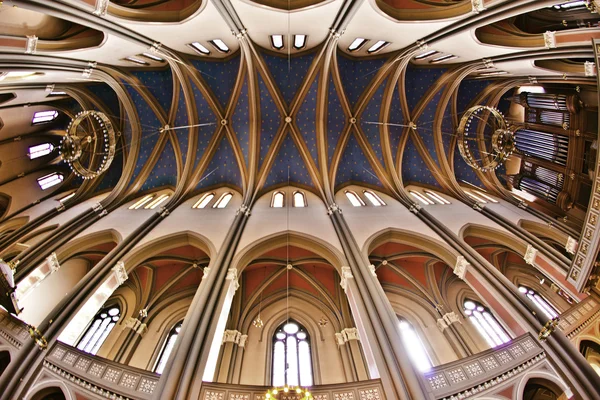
[
  {"x": 477, "y": 373},
  {"x": 579, "y": 316}
]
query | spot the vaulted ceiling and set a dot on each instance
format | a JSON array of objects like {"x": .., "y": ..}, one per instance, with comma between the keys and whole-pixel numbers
[{"x": 255, "y": 117}]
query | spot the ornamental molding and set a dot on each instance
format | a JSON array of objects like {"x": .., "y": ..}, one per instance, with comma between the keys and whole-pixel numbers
[
  {"x": 589, "y": 68},
  {"x": 372, "y": 270},
  {"x": 235, "y": 337},
  {"x": 477, "y": 6},
  {"x": 530, "y": 255},
  {"x": 232, "y": 275},
  {"x": 53, "y": 263},
  {"x": 135, "y": 325},
  {"x": 31, "y": 46},
  {"x": 447, "y": 320},
  {"x": 346, "y": 335},
  {"x": 461, "y": 266},
  {"x": 120, "y": 272},
  {"x": 571, "y": 246},
  {"x": 101, "y": 8},
  {"x": 346, "y": 274},
  {"x": 550, "y": 39}
]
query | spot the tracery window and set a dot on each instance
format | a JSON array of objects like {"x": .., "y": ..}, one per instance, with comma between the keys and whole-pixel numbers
[
  {"x": 414, "y": 346},
  {"x": 354, "y": 199},
  {"x": 299, "y": 199},
  {"x": 98, "y": 330},
  {"x": 278, "y": 200},
  {"x": 292, "y": 363},
  {"x": 40, "y": 150},
  {"x": 487, "y": 325},
  {"x": 167, "y": 348},
  {"x": 542, "y": 303}
]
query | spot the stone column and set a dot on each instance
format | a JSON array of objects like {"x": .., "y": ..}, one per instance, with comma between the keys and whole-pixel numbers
[
  {"x": 231, "y": 339},
  {"x": 133, "y": 331},
  {"x": 376, "y": 320},
  {"x": 349, "y": 337}
]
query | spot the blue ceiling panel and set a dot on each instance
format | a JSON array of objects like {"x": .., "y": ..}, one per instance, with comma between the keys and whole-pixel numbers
[
  {"x": 288, "y": 159},
  {"x": 165, "y": 170},
  {"x": 418, "y": 81},
  {"x": 369, "y": 121},
  {"x": 396, "y": 117},
  {"x": 288, "y": 76},
  {"x": 240, "y": 121},
  {"x": 336, "y": 120},
  {"x": 223, "y": 168},
  {"x": 205, "y": 116},
  {"x": 160, "y": 84},
  {"x": 414, "y": 168},
  {"x": 306, "y": 119},
  {"x": 356, "y": 75},
  {"x": 109, "y": 98},
  {"x": 111, "y": 177},
  {"x": 354, "y": 165},
  {"x": 467, "y": 91},
  {"x": 270, "y": 119},
  {"x": 425, "y": 124},
  {"x": 220, "y": 76},
  {"x": 464, "y": 172}
]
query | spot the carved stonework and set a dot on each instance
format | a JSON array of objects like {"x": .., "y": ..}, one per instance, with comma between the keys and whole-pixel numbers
[
  {"x": 447, "y": 320},
  {"x": 206, "y": 271},
  {"x": 372, "y": 270},
  {"x": 460, "y": 269},
  {"x": 232, "y": 275},
  {"x": 530, "y": 255},
  {"x": 101, "y": 7},
  {"x": 53, "y": 262},
  {"x": 589, "y": 68},
  {"x": 120, "y": 272},
  {"x": 346, "y": 274},
  {"x": 571, "y": 245},
  {"x": 550, "y": 39},
  {"x": 346, "y": 335},
  {"x": 31, "y": 46},
  {"x": 477, "y": 6}
]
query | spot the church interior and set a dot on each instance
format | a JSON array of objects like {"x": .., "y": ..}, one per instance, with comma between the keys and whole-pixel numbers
[{"x": 299, "y": 199}]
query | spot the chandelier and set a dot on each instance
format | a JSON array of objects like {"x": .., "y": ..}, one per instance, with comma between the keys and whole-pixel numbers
[
  {"x": 288, "y": 393},
  {"x": 89, "y": 144},
  {"x": 485, "y": 140}
]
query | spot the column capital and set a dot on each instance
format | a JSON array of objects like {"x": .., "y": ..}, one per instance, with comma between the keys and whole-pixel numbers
[
  {"x": 346, "y": 274},
  {"x": 372, "y": 270},
  {"x": 232, "y": 275},
  {"x": 477, "y": 6},
  {"x": 53, "y": 262},
  {"x": 235, "y": 337},
  {"x": 120, "y": 272},
  {"x": 460, "y": 268},
  {"x": 571, "y": 245},
  {"x": 206, "y": 272},
  {"x": 346, "y": 335},
  {"x": 550, "y": 39},
  {"x": 530, "y": 254},
  {"x": 447, "y": 320}
]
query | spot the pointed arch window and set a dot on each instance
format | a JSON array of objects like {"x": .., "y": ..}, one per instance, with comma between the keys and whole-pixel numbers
[
  {"x": 47, "y": 181},
  {"x": 436, "y": 197},
  {"x": 223, "y": 200},
  {"x": 299, "y": 199},
  {"x": 542, "y": 303},
  {"x": 373, "y": 198},
  {"x": 487, "y": 325},
  {"x": 292, "y": 365},
  {"x": 98, "y": 330},
  {"x": 41, "y": 117},
  {"x": 421, "y": 198},
  {"x": 204, "y": 200},
  {"x": 278, "y": 200},
  {"x": 354, "y": 199},
  {"x": 414, "y": 346},
  {"x": 167, "y": 348},
  {"x": 40, "y": 150}
]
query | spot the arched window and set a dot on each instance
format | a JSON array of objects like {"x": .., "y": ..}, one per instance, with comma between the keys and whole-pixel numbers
[
  {"x": 167, "y": 348},
  {"x": 141, "y": 202},
  {"x": 421, "y": 198},
  {"x": 40, "y": 150},
  {"x": 204, "y": 200},
  {"x": 41, "y": 117},
  {"x": 436, "y": 197},
  {"x": 299, "y": 199},
  {"x": 486, "y": 323},
  {"x": 99, "y": 329},
  {"x": 414, "y": 346},
  {"x": 548, "y": 309},
  {"x": 373, "y": 198},
  {"x": 278, "y": 200},
  {"x": 223, "y": 200},
  {"x": 292, "y": 363},
  {"x": 47, "y": 181},
  {"x": 354, "y": 199}
]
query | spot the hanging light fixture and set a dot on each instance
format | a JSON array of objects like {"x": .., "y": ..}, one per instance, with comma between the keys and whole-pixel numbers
[
  {"x": 323, "y": 321},
  {"x": 258, "y": 322}
]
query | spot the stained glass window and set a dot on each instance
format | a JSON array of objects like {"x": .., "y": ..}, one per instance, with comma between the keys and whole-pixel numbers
[
  {"x": 292, "y": 365},
  {"x": 487, "y": 325},
  {"x": 544, "y": 305},
  {"x": 167, "y": 348},
  {"x": 98, "y": 331}
]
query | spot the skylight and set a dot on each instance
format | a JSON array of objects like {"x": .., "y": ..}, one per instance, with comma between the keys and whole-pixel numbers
[
  {"x": 299, "y": 41},
  {"x": 199, "y": 48},
  {"x": 427, "y": 54},
  {"x": 44, "y": 116},
  {"x": 40, "y": 150},
  {"x": 136, "y": 61},
  {"x": 357, "y": 44},
  {"x": 373, "y": 198},
  {"x": 204, "y": 200},
  {"x": 219, "y": 45},
  {"x": 277, "y": 41},
  {"x": 441, "y": 59},
  {"x": 47, "y": 181},
  {"x": 378, "y": 46},
  {"x": 152, "y": 57},
  {"x": 223, "y": 200}
]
